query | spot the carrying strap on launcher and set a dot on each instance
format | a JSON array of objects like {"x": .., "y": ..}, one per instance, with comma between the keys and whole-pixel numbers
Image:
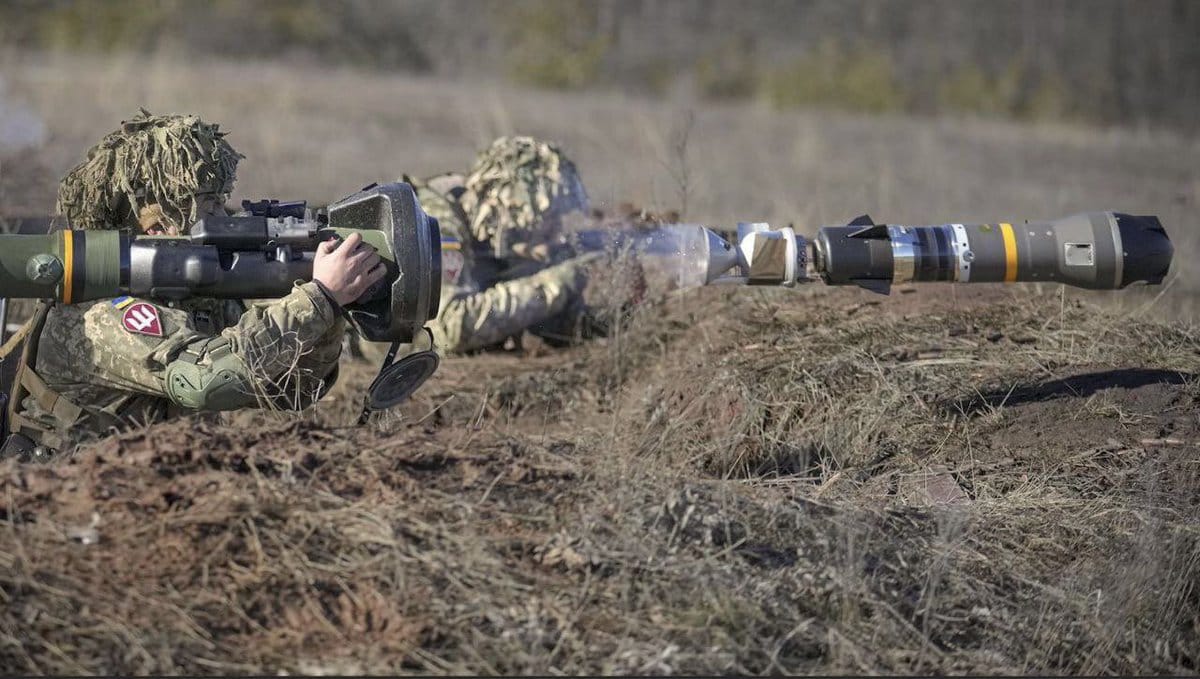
[
  {"x": 11, "y": 352},
  {"x": 19, "y": 381}
]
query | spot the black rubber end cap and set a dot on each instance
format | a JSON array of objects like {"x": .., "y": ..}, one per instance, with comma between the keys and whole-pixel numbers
[
  {"x": 399, "y": 380},
  {"x": 1147, "y": 249}
]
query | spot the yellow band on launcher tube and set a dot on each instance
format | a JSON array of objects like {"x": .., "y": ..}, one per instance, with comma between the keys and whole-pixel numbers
[
  {"x": 1010, "y": 253},
  {"x": 68, "y": 264}
]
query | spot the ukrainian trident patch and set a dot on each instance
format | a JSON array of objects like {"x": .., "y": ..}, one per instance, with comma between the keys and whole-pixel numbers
[{"x": 142, "y": 318}]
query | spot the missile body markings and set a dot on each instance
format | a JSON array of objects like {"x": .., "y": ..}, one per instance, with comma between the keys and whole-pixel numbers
[{"x": 1097, "y": 250}]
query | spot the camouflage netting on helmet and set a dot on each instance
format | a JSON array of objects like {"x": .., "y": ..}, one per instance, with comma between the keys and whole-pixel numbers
[
  {"x": 151, "y": 159},
  {"x": 522, "y": 187}
]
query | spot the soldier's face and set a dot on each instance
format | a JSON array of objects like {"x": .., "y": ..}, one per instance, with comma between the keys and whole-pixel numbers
[{"x": 155, "y": 223}]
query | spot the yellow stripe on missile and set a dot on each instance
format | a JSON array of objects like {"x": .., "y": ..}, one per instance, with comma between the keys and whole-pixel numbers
[
  {"x": 1010, "y": 253},
  {"x": 68, "y": 264}
]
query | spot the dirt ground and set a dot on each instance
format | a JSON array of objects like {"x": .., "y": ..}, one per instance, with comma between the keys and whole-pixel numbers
[{"x": 947, "y": 480}]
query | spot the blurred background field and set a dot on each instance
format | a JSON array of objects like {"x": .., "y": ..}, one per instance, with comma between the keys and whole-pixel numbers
[
  {"x": 801, "y": 112},
  {"x": 1102, "y": 61},
  {"x": 976, "y": 479}
]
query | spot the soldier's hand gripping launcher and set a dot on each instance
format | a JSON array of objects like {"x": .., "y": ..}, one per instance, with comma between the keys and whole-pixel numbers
[
  {"x": 259, "y": 253},
  {"x": 1097, "y": 250}
]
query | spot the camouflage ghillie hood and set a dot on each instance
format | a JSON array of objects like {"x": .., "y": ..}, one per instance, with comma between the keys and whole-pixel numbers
[
  {"x": 521, "y": 187},
  {"x": 150, "y": 159}
]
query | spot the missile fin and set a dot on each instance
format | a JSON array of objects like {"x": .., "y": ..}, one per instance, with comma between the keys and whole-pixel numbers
[
  {"x": 862, "y": 220},
  {"x": 873, "y": 231},
  {"x": 882, "y": 287}
]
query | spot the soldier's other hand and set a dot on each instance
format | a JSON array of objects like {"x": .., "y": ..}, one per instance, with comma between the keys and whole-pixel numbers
[
  {"x": 347, "y": 268},
  {"x": 538, "y": 253}
]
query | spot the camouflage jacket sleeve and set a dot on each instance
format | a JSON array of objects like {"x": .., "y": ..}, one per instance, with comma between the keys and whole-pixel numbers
[
  {"x": 285, "y": 350},
  {"x": 476, "y": 319},
  {"x": 290, "y": 347}
]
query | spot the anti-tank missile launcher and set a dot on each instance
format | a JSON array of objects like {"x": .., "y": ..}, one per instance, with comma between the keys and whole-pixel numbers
[{"x": 258, "y": 253}]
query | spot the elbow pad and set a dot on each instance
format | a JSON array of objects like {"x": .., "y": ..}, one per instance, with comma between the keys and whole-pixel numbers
[{"x": 211, "y": 378}]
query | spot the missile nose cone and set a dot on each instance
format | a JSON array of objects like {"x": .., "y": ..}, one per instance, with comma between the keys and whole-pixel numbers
[{"x": 1147, "y": 249}]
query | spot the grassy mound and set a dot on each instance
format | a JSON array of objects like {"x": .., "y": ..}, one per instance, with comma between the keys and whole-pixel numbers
[{"x": 748, "y": 482}]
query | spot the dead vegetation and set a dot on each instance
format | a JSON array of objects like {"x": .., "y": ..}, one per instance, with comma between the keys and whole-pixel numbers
[{"x": 801, "y": 483}]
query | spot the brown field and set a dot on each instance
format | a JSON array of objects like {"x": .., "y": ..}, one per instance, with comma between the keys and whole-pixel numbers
[{"x": 949, "y": 480}]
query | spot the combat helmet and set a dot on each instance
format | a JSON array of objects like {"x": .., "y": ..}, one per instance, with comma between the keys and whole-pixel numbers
[
  {"x": 166, "y": 160},
  {"x": 519, "y": 190}
]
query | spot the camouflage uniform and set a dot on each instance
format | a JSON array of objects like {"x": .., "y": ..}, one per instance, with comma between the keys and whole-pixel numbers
[
  {"x": 517, "y": 192},
  {"x": 86, "y": 370}
]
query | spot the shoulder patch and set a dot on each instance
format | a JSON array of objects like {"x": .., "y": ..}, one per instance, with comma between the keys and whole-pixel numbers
[
  {"x": 122, "y": 301},
  {"x": 142, "y": 318}
]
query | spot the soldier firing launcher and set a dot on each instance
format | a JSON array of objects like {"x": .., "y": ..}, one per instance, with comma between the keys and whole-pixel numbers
[
  {"x": 1097, "y": 250},
  {"x": 258, "y": 253}
]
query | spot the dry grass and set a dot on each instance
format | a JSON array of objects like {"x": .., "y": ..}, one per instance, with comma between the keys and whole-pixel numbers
[
  {"x": 752, "y": 481},
  {"x": 803, "y": 511}
]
